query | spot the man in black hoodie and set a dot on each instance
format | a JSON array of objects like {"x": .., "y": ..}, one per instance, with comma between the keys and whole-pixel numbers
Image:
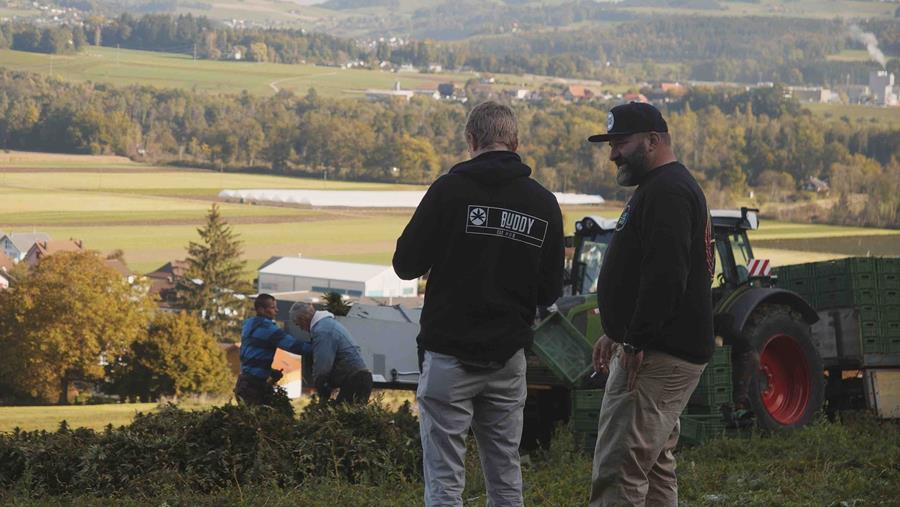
[
  {"x": 491, "y": 240},
  {"x": 653, "y": 295}
]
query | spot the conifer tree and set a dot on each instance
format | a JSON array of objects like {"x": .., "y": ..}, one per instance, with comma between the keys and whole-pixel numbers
[{"x": 214, "y": 287}]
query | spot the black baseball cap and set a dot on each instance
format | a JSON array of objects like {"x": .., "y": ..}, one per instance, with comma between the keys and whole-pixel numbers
[{"x": 631, "y": 118}]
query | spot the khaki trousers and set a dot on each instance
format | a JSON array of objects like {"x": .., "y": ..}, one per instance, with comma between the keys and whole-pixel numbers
[{"x": 638, "y": 430}]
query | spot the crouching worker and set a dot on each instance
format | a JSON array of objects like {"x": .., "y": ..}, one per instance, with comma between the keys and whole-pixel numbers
[
  {"x": 337, "y": 362},
  {"x": 259, "y": 339}
]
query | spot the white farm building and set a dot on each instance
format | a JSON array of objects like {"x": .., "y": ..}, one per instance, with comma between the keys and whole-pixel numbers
[{"x": 294, "y": 274}]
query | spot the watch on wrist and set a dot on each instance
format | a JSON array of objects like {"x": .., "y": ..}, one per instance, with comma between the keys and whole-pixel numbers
[{"x": 629, "y": 348}]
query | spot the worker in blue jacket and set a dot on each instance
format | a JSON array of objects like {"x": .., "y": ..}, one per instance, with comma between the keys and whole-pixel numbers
[
  {"x": 337, "y": 361},
  {"x": 259, "y": 339}
]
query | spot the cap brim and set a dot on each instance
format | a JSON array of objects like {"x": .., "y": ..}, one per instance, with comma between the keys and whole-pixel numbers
[{"x": 602, "y": 138}]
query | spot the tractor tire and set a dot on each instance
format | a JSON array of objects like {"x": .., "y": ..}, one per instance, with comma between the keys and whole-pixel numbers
[{"x": 787, "y": 386}]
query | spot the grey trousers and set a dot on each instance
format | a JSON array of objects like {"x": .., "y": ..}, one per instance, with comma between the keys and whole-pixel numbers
[
  {"x": 638, "y": 430},
  {"x": 451, "y": 400}
]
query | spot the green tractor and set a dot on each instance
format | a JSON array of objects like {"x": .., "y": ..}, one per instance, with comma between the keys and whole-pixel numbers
[{"x": 777, "y": 372}]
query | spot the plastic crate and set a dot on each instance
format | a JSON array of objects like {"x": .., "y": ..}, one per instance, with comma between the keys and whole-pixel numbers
[
  {"x": 860, "y": 265},
  {"x": 835, "y": 299},
  {"x": 888, "y": 265},
  {"x": 587, "y": 399},
  {"x": 696, "y": 429},
  {"x": 834, "y": 283},
  {"x": 865, "y": 297},
  {"x": 888, "y": 312},
  {"x": 890, "y": 328},
  {"x": 716, "y": 375},
  {"x": 807, "y": 270},
  {"x": 889, "y": 296},
  {"x": 829, "y": 268},
  {"x": 586, "y": 441},
  {"x": 798, "y": 284},
  {"x": 872, "y": 345},
  {"x": 562, "y": 348},
  {"x": 869, "y": 312},
  {"x": 711, "y": 396},
  {"x": 892, "y": 345},
  {"x": 864, "y": 280},
  {"x": 888, "y": 280},
  {"x": 721, "y": 356},
  {"x": 869, "y": 328},
  {"x": 585, "y": 420},
  {"x": 537, "y": 372}
]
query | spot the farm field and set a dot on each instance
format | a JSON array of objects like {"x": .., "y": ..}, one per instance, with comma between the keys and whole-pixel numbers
[
  {"x": 888, "y": 116},
  {"x": 152, "y": 213},
  {"x": 124, "y": 67}
]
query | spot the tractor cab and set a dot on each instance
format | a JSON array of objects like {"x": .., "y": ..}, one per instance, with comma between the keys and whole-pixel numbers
[
  {"x": 732, "y": 246},
  {"x": 592, "y": 237},
  {"x": 734, "y": 256}
]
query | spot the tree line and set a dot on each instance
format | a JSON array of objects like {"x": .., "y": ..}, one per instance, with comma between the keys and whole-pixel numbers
[
  {"x": 730, "y": 138},
  {"x": 740, "y": 49}
]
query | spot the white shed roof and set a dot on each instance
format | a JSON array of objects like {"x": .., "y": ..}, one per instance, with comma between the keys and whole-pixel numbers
[{"x": 330, "y": 270}]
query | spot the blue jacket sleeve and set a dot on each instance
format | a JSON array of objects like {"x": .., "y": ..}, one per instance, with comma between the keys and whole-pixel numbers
[{"x": 287, "y": 342}]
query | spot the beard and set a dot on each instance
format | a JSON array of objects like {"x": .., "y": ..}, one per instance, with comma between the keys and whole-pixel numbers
[{"x": 632, "y": 168}]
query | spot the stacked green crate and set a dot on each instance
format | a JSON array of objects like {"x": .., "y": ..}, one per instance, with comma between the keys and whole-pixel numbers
[
  {"x": 585, "y": 414},
  {"x": 696, "y": 428},
  {"x": 714, "y": 388},
  {"x": 846, "y": 283},
  {"x": 800, "y": 278},
  {"x": 888, "y": 303}
]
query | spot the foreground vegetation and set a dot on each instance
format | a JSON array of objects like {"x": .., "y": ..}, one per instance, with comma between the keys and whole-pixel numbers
[{"x": 370, "y": 456}]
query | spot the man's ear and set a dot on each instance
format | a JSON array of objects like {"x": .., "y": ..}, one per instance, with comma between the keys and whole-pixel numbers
[{"x": 470, "y": 140}]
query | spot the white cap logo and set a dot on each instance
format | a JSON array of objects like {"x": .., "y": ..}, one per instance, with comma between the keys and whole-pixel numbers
[{"x": 610, "y": 121}]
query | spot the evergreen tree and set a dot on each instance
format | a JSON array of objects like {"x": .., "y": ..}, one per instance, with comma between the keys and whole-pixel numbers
[{"x": 213, "y": 287}]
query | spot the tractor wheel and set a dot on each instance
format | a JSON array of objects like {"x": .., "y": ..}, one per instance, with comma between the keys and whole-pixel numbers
[{"x": 788, "y": 387}]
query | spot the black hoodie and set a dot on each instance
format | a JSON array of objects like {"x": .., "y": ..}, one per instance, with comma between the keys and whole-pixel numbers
[{"x": 492, "y": 238}]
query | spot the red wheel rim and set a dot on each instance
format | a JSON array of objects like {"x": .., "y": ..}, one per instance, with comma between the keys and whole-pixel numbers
[{"x": 784, "y": 382}]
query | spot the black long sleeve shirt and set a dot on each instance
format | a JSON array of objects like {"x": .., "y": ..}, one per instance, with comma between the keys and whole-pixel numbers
[
  {"x": 654, "y": 286},
  {"x": 492, "y": 240}
]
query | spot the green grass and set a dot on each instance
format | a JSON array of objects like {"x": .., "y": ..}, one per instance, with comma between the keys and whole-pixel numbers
[
  {"x": 77, "y": 416},
  {"x": 889, "y": 116},
  {"x": 170, "y": 70},
  {"x": 850, "y": 55},
  {"x": 97, "y": 417}
]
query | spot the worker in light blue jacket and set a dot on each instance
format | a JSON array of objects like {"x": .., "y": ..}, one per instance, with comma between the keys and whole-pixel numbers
[
  {"x": 337, "y": 362},
  {"x": 259, "y": 339}
]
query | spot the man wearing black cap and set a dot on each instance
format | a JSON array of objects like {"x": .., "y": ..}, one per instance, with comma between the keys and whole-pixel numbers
[{"x": 654, "y": 300}]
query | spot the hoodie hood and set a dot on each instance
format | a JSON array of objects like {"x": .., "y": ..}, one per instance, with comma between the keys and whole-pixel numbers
[{"x": 493, "y": 167}]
